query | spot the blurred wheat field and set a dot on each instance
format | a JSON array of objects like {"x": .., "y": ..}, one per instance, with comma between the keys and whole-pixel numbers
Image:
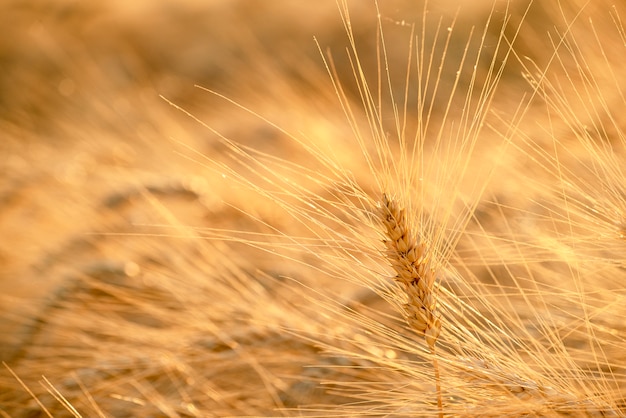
[{"x": 193, "y": 197}]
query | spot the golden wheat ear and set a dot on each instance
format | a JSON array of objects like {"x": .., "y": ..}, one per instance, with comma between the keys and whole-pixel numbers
[
  {"x": 411, "y": 261},
  {"x": 412, "y": 264}
]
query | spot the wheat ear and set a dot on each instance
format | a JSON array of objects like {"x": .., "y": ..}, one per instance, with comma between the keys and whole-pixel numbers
[
  {"x": 410, "y": 260},
  {"x": 409, "y": 257}
]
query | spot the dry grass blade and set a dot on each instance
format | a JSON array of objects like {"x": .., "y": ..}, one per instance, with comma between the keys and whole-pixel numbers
[{"x": 16, "y": 377}]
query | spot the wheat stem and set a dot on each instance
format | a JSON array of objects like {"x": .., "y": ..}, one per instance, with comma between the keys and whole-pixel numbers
[{"x": 437, "y": 383}]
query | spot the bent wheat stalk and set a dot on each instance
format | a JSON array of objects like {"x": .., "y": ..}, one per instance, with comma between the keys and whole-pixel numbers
[{"x": 412, "y": 263}]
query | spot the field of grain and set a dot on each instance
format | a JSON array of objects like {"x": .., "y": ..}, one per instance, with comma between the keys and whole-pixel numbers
[{"x": 335, "y": 208}]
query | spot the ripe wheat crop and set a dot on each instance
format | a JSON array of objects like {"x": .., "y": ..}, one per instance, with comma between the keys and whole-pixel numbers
[{"x": 427, "y": 221}]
